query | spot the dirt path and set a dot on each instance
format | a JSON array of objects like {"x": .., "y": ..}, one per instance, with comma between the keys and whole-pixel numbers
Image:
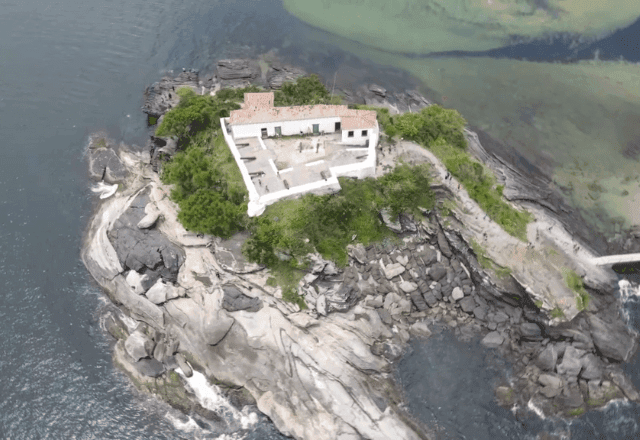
[{"x": 537, "y": 265}]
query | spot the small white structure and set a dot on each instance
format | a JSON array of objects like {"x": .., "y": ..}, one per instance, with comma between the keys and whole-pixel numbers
[{"x": 249, "y": 128}]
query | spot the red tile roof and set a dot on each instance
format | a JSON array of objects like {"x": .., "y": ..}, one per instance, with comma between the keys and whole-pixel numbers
[{"x": 259, "y": 108}]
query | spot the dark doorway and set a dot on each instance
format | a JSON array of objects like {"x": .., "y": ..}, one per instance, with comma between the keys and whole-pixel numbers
[
  {"x": 264, "y": 132},
  {"x": 337, "y": 126}
]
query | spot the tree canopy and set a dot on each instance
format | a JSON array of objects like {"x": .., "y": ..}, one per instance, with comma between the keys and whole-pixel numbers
[
  {"x": 194, "y": 113},
  {"x": 307, "y": 90}
]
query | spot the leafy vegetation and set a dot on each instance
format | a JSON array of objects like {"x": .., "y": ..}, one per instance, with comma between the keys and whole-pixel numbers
[
  {"x": 441, "y": 131},
  {"x": 574, "y": 281},
  {"x": 208, "y": 186},
  {"x": 194, "y": 114},
  {"x": 481, "y": 255},
  {"x": 236, "y": 95},
  {"x": 329, "y": 223},
  {"x": 307, "y": 90},
  {"x": 576, "y": 412},
  {"x": 557, "y": 313},
  {"x": 538, "y": 304}
]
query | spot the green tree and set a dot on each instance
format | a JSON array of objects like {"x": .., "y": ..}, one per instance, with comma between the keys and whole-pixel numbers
[
  {"x": 307, "y": 90},
  {"x": 208, "y": 212},
  {"x": 193, "y": 114},
  {"x": 431, "y": 123}
]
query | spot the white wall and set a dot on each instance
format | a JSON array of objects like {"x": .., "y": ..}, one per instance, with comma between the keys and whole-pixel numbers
[
  {"x": 366, "y": 168},
  {"x": 357, "y": 136},
  {"x": 289, "y": 128}
]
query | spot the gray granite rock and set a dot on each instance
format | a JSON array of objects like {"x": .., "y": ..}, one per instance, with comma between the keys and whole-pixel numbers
[
  {"x": 150, "y": 367},
  {"x": 279, "y": 73},
  {"x": 552, "y": 385},
  {"x": 105, "y": 164},
  {"x": 571, "y": 363},
  {"x": 216, "y": 327},
  {"x": 547, "y": 358},
  {"x": 530, "y": 331},
  {"x": 467, "y": 304},
  {"x": 492, "y": 340},
  {"x": 480, "y": 313},
  {"x": 184, "y": 366},
  {"x": 612, "y": 340},
  {"x": 418, "y": 300},
  {"x": 591, "y": 367},
  {"x": 235, "y": 300},
  {"x": 391, "y": 223},
  {"x": 457, "y": 294},
  {"x": 437, "y": 271},
  {"x": 237, "y": 72},
  {"x": 161, "y": 96},
  {"x": 138, "y": 345}
]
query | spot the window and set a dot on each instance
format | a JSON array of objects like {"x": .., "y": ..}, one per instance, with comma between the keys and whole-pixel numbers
[
  {"x": 264, "y": 132},
  {"x": 350, "y": 134},
  {"x": 278, "y": 131},
  {"x": 337, "y": 126},
  {"x": 316, "y": 128},
  {"x": 364, "y": 133}
]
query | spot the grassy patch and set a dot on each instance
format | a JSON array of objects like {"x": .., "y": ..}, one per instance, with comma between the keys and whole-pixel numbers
[
  {"x": 503, "y": 272},
  {"x": 574, "y": 281},
  {"x": 441, "y": 131},
  {"x": 557, "y": 313},
  {"x": 576, "y": 412},
  {"x": 538, "y": 303},
  {"x": 481, "y": 187},
  {"x": 484, "y": 261}
]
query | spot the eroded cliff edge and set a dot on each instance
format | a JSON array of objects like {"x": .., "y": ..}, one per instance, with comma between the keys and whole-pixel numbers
[{"x": 324, "y": 373}]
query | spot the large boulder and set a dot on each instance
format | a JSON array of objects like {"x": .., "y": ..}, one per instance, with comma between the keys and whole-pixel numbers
[
  {"x": 393, "y": 270},
  {"x": 437, "y": 271},
  {"x": 547, "y": 358},
  {"x": 591, "y": 367},
  {"x": 105, "y": 164},
  {"x": 237, "y": 72},
  {"x": 279, "y": 73},
  {"x": 215, "y": 327},
  {"x": 160, "y": 292},
  {"x": 552, "y": 385},
  {"x": 138, "y": 345},
  {"x": 571, "y": 363},
  {"x": 150, "y": 367},
  {"x": 612, "y": 340},
  {"x": 389, "y": 221},
  {"x": 234, "y": 300},
  {"x": 492, "y": 340},
  {"x": 146, "y": 251},
  {"x": 161, "y": 96}
]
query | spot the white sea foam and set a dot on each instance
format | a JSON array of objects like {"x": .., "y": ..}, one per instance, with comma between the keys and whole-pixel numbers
[
  {"x": 104, "y": 189},
  {"x": 535, "y": 409},
  {"x": 211, "y": 398}
]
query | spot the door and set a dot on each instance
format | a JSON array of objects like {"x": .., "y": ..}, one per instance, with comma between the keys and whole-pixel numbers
[
  {"x": 264, "y": 132},
  {"x": 316, "y": 128},
  {"x": 337, "y": 126},
  {"x": 278, "y": 131}
]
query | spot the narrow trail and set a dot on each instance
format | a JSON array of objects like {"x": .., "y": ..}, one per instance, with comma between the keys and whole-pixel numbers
[{"x": 537, "y": 265}]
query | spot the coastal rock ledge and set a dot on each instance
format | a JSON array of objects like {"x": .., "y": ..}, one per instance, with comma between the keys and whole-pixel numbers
[
  {"x": 324, "y": 373},
  {"x": 314, "y": 378}
]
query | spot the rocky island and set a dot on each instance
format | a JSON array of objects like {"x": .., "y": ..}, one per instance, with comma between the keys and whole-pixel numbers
[{"x": 325, "y": 371}]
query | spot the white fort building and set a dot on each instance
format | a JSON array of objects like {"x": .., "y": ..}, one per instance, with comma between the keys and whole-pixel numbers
[{"x": 283, "y": 152}]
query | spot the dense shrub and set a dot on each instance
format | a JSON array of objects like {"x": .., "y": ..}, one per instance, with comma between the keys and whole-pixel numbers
[
  {"x": 208, "y": 186},
  {"x": 480, "y": 184},
  {"x": 236, "y": 95},
  {"x": 431, "y": 123},
  {"x": 306, "y": 90},
  {"x": 193, "y": 114},
  {"x": 329, "y": 223}
]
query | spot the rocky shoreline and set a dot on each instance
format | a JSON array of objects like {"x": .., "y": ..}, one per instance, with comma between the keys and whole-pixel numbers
[{"x": 325, "y": 373}]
